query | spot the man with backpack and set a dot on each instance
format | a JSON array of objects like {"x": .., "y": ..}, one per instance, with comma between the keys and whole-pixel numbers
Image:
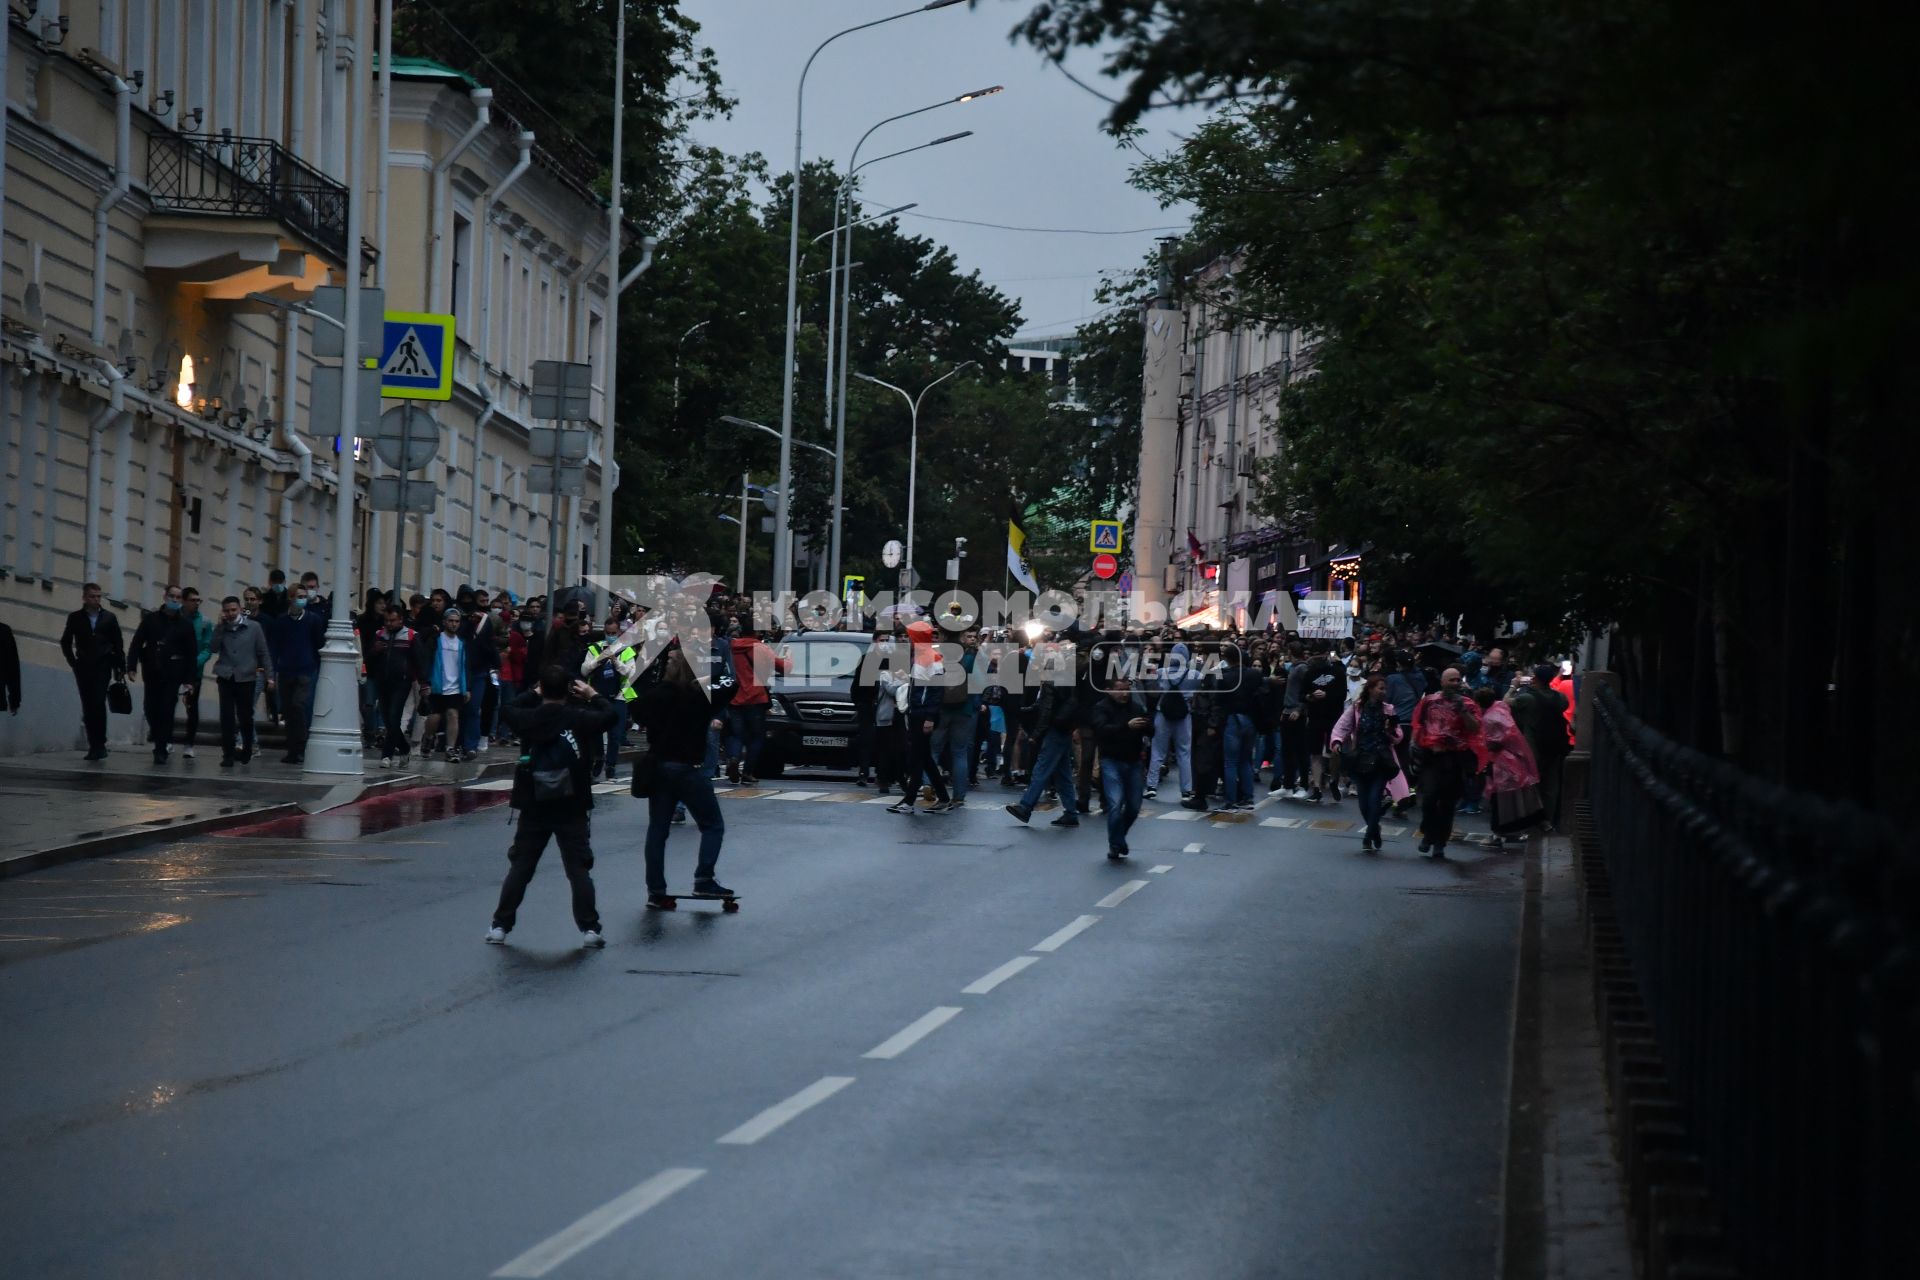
[{"x": 552, "y": 793}]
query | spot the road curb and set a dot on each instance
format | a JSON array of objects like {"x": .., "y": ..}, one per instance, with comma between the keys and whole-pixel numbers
[
  {"x": 1522, "y": 1247},
  {"x": 121, "y": 839}
]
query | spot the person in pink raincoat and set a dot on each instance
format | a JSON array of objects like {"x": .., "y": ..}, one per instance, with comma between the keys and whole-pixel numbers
[{"x": 1511, "y": 768}]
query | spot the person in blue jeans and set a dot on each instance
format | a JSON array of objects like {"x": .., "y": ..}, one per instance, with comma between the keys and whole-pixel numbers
[
  {"x": 678, "y": 713},
  {"x": 1245, "y": 685},
  {"x": 1053, "y": 728},
  {"x": 1121, "y": 726}
]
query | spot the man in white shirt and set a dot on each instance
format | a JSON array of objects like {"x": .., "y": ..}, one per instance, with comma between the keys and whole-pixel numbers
[{"x": 445, "y": 674}]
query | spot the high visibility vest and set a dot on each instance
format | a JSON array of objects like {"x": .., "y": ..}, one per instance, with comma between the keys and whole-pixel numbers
[{"x": 626, "y": 659}]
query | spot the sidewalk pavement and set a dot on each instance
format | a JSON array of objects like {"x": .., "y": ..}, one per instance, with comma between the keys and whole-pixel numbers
[
  {"x": 60, "y": 807},
  {"x": 1565, "y": 1200}
]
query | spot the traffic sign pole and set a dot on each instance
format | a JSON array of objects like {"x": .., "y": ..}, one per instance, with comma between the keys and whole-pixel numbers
[{"x": 400, "y": 516}]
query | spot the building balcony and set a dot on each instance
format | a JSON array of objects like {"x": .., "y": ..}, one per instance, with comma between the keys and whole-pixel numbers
[{"x": 241, "y": 214}]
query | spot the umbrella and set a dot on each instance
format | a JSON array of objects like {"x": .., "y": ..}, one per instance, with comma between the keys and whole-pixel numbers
[{"x": 1439, "y": 649}]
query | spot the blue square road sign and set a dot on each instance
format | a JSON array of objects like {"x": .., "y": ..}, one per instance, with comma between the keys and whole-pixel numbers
[{"x": 416, "y": 356}]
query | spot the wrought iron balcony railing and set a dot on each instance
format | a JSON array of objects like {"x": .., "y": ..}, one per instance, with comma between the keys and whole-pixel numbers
[{"x": 246, "y": 178}]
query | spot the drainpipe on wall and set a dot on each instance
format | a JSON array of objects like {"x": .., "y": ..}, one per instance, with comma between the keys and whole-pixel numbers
[
  {"x": 290, "y": 434},
  {"x": 115, "y": 406},
  {"x": 437, "y": 181},
  {"x": 487, "y": 266},
  {"x": 296, "y": 40},
  {"x": 122, "y": 183},
  {"x": 476, "y": 576}
]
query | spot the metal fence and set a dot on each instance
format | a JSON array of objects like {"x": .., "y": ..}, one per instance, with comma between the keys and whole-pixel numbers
[
  {"x": 1775, "y": 938},
  {"x": 246, "y": 178}
]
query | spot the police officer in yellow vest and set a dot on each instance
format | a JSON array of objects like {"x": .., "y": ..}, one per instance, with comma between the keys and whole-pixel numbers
[{"x": 611, "y": 666}]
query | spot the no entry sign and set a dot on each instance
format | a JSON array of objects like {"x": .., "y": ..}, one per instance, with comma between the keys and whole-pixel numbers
[{"x": 1105, "y": 566}]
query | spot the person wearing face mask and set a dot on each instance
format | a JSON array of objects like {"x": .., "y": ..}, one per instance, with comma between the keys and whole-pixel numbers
[
  {"x": 162, "y": 653},
  {"x": 241, "y": 658},
  {"x": 275, "y": 601},
  {"x": 610, "y": 667},
  {"x": 294, "y": 638},
  {"x": 393, "y": 674}
]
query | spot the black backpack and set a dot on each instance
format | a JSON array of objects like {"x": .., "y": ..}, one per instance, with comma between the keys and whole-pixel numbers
[
  {"x": 550, "y": 767},
  {"x": 1173, "y": 705}
]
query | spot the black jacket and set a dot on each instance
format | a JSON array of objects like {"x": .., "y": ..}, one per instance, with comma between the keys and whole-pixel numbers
[
  {"x": 536, "y": 723},
  {"x": 676, "y": 718},
  {"x": 9, "y": 670},
  {"x": 164, "y": 648},
  {"x": 91, "y": 649},
  {"x": 390, "y": 657},
  {"x": 1117, "y": 738}
]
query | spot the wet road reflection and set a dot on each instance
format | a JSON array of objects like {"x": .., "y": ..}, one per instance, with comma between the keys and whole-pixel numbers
[{"x": 166, "y": 884}]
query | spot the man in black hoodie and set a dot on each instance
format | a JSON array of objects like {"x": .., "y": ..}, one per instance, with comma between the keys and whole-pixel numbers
[{"x": 553, "y": 792}]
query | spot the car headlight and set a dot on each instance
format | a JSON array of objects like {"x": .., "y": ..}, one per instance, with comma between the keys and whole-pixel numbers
[{"x": 776, "y": 710}]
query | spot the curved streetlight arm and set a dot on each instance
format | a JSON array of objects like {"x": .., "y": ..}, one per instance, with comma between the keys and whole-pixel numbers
[
  {"x": 783, "y": 568},
  {"x": 959, "y": 368},
  {"x": 861, "y": 222},
  {"x": 732, "y": 421},
  {"x": 907, "y": 151}
]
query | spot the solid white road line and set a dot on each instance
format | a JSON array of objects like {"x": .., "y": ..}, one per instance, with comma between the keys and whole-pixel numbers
[
  {"x": 1180, "y": 815},
  {"x": 1196, "y": 847},
  {"x": 1058, "y": 940},
  {"x": 598, "y": 1225},
  {"x": 1121, "y": 894},
  {"x": 980, "y": 986},
  {"x": 913, "y": 1033},
  {"x": 781, "y": 1112},
  {"x": 1159, "y": 870}
]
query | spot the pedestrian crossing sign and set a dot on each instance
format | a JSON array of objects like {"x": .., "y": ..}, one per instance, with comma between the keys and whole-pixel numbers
[
  {"x": 1106, "y": 536},
  {"x": 416, "y": 356}
]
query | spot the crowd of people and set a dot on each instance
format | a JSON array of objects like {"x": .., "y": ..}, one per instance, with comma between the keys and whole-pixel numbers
[{"x": 1394, "y": 719}]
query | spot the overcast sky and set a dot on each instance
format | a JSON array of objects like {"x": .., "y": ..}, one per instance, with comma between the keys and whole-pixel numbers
[{"x": 1037, "y": 157}]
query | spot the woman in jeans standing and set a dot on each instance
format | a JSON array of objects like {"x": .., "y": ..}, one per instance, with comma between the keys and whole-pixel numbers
[
  {"x": 1365, "y": 736},
  {"x": 677, "y": 712}
]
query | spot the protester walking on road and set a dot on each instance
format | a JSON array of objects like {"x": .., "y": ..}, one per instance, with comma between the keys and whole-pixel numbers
[
  {"x": 242, "y": 660},
  {"x": 552, "y": 795},
  {"x": 162, "y": 654},
  {"x": 441, "y": 661},
  {"x": 924, "y": 695},
  {"x": 1056, "y": 716},
  {"x": 1364, "y": 737},
  {"x": 203, "y": 650},
  {"x": 94, "y": 653},
  {"x": 1172, "y": 721},
  {"x": 1513, "y": 778},
  {"x": 677, "y": 711},
  {"x": 1446, "y": 733},
  {"x": 295, "y": 638},
  {"x": 1120, "y": 726},
  {"x": 1244, "y": 686},
  {"x": 392, "y": 671}
]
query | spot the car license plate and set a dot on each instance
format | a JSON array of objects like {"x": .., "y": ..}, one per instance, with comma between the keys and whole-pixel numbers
[{"x": 821, "y": 740}]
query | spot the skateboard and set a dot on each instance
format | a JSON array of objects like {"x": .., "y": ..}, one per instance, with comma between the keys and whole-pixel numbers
[{"x": 728, "y": 902}]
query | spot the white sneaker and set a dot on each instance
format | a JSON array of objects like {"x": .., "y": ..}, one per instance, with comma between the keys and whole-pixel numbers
[
  {"x": 1298, "y": 793},
  {"x": 188, "y": 753},
  {"x": 592, "y": 939},
  {"x": 496, "y": 935},
  {"x": 485, "y": 742}
]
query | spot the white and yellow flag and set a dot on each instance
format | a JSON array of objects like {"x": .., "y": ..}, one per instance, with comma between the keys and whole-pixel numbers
[{"x": 1017, "y": 559}]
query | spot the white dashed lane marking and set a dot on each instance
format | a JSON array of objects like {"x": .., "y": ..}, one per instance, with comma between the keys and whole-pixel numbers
[
  {"x": 598, "y": 1225},
  {"x": 1121, "y": 894},
  {"x": 981, "y": 986},
  {"x": 1180, "y": 815},
  {"x": 1055, "y": 941},
  {"x": 913, "y": 1033},
  {"x": 781, "y": 1112},
  {"x": 1196, "y": 847},
  {"x": 1159, "y": 870}
]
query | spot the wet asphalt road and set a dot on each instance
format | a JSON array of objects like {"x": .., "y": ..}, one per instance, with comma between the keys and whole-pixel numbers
[{"x": 287, "y": 1053}]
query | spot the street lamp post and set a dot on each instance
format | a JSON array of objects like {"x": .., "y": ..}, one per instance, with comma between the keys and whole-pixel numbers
[
  {"x": 333, "y": 742},
  {"x": 913, "y": 457},
  {"x": 843, "y": 207},
  {"x": 782, "y": 557}
]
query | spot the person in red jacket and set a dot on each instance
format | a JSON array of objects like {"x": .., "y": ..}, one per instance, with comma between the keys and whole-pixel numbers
[
  {"x": 753, "y": 664},
  {"x": 514, "y": 671}
]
